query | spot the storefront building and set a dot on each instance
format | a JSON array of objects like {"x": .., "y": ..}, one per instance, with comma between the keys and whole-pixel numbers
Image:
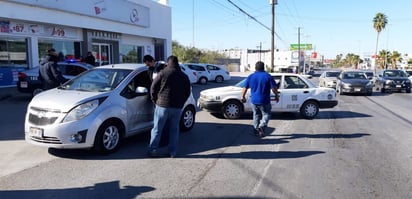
[{"x": 121, "y": 31}]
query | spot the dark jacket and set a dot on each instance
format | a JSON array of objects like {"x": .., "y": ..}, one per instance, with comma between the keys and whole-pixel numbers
[
  {"x": 170, "y": 88},
  {"x": 90, "y": 60},
  {"x": 50, "y": 74}
]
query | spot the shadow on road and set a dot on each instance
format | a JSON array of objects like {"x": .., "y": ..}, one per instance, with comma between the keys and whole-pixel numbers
[
  {"x": 99, "y": 190},
  {"x": 258, "y": 155},
  {"x": 321, "y": 136}
]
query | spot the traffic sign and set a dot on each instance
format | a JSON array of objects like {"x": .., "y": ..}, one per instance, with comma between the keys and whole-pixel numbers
[{"x": 302, "y": 46}]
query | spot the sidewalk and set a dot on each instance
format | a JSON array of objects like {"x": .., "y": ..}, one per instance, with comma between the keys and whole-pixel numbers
[{"x": 7, "y": 92}]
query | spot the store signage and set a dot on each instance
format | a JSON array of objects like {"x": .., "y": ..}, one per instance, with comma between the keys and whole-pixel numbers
[
  {"x": 36, "y": 29},
  {"x": 124, "y": 11}
]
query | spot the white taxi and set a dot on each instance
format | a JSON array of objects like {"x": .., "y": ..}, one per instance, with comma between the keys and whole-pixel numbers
[
  {"x": 296, "y": 94},
  {"x": 97, "y": 109}
]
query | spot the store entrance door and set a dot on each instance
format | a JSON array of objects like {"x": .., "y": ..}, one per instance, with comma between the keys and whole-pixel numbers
[{"x": 103, "y": 53}]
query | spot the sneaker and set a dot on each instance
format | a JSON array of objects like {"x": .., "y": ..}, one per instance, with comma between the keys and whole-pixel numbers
[
  {"x": 261, "y": 131},
  {"x": 153, "y": 154}
]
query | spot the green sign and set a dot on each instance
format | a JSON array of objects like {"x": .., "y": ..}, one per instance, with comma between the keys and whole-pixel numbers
[{"x": 302, "y": 46}]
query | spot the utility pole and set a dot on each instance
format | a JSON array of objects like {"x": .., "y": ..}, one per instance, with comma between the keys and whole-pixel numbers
[
  {"x": 299, "y": 50},
  {"x": 193, "y": 23},
  {"x": 260, "y": 51},
  {"x": 272, "y": 52}
]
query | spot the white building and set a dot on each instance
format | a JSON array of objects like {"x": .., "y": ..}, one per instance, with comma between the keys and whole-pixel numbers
[{"x": 114, "y": 31}]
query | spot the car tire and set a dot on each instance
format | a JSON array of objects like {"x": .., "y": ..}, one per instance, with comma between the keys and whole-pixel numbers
[
  {"x": 36, "y": 91},
  {"x": 340, "y": 91},
  {"x": 108, "y": 137},
  {"x": 309, "y": 109},
  {"x": 187, "y": 120},
  {"x": 203, "y": 80},
  {"x": 369, "y": 93},
  {"x": 408, "y": 90},
  {"x": 383, "y": 90},
  {"x": 219, "y": 79},
  {"x": 232, "y": 109}
]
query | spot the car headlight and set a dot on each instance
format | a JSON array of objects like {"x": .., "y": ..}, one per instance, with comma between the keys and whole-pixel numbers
[
  {"x": 369, "y": 84},
  {"x": 346, "y": 85},
  {"x": 82, "y": 110},
  {"x": 388, "y": 81},
  {"x": 212, "y": 98},
  {"x": 408, "y": 81}
]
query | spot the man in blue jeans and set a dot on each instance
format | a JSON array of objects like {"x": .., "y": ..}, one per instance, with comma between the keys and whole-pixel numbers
[
  {"x": 260, "y": 84},
  {"x": 169, "y": 91}
]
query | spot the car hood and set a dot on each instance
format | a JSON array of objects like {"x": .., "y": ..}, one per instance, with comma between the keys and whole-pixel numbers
[
  {"x": 331, "y": 78},
  {"x": 227, "y": 90},
  {"x": 63, "y": 100},
  {"x": 397, "y": 78}
]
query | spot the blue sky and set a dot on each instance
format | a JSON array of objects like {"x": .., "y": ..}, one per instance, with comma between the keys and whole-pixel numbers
[{"x": 332, "y": 26}]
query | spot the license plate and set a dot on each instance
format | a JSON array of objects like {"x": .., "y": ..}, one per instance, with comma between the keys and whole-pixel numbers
[
  {"x": 357, "y": 89},
  {"x": 398, "y": 86},
  {"x": 23, "y": 84},
  {"x": 36, "y": 132}
]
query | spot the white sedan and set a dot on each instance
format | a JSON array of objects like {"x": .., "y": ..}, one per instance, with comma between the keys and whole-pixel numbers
[
  {"x": 296, "y": 94},
  {"x": 96, "y": 110}
]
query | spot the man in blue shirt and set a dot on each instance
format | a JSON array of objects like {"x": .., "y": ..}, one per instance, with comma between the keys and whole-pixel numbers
[{"x": 260, "y": 84}]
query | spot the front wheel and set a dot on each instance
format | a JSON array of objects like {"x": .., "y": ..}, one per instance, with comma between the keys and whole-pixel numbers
[
  {"x": 232, "y": 109},
  {"x": 219, "y": 79},
  {"x": 309, "y": 109},
  {"x": 108, "y": 136},
  {"x": 203, "y": 80},
  {"x": 408, "y": 90},
  {"x": 187, "y": 120}
]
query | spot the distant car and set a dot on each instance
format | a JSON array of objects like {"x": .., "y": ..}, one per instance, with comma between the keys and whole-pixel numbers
[
  {"x": 29, "y": 82},
  {"x": 409, "y": 73},
  {"x": 393, "y": 80},
  {"x": 329, "y": 79},
  {"x": 296, "y": 94},
  {"x": 218, "y": 73},
  {"x": 97, "y": 109},
  {"x": 192, "y": 74},
  {"x": 354, "y": 82},
  {"x": 203, "y": 75}
]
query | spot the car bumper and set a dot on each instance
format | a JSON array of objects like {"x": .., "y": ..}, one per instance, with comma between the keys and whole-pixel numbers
[
  {"x": 210, "y": 106},
  {"x": 26, "y": 87},
  {"x": 328, "y": 104},
  {"x": 357, "y": 90},
  {"x": 59, "y": 135},
  {"x": 331, "y": 85},
  {"x": 397, "y": 87}
]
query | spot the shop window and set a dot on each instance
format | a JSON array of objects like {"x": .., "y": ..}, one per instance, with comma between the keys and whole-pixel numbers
[
  {"x": 13, "y": 52},
  {"x": 66, "y": 50},
  {"x": 131, "y": 54}
]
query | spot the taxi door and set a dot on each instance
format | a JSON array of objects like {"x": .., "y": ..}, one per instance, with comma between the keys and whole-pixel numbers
[
  {"x": 276, "y": 106},
  {"x": 294, "y": 92}
]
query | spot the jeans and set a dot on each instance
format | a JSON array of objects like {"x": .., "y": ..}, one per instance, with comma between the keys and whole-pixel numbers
[
  {"x": 261, "y": 115},
  {"x": 165, "y": 119}
]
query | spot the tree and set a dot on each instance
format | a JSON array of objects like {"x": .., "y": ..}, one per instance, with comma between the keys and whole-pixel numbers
[
  {"x": 383, "y": 58},
  {"x": 194, "y": 55},
  {"x": 379, "y": 23},
  {"x": 395, "y": 57}
]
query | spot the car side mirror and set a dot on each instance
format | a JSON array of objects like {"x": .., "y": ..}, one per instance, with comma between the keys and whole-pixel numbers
[{"x": 141, "y": 91}]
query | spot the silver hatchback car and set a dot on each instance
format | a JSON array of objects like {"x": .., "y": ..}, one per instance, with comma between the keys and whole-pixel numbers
[{"x": 96, "y": 110}]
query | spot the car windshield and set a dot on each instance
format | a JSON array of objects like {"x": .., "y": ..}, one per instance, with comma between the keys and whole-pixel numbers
[
  {"x": 354, "y": 75},
  {"x": 97, "y": 80},
  {"x": 394, "y": 73},
  {"x": 369, "y": 74},
  {"x": 332, "y": 74}
]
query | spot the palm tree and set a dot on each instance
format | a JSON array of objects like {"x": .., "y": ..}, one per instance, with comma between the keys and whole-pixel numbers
[
  {"x": 379, "y": 22},
  {"x": 395, "y": 57},
  {"x": 382, "y": 58}
]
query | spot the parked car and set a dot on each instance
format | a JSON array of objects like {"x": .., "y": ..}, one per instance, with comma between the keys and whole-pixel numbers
[
  {"x": 28, "y": 81},
  {"x": 354, "y": 82},
  {"x": 203, "y": 75},
  {"x": 190, "y": 73},
  {"x": 218, "y": 73},
  {"x": 393, "y": 80},
  {"x": 296, "y": 94},
  {"x": 329, "y": 79},
  {"x": 96, "y": 110}
]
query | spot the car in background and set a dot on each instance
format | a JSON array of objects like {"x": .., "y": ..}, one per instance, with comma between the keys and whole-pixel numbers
[
  {"x": 296, "y": 94},
  {"x": 393, "y": 80},
  {"x": 354, "y": 82},
  {"x": 218, "y": 73},
  {"x": 190, "y": 73},
  {"x": 329, "y": 79},
  {"x": 29, "y": 82},
  {"x": 409, "y": 73},
  {"x": 97, "y": 109},
  {"x": 203, "y": 75}
]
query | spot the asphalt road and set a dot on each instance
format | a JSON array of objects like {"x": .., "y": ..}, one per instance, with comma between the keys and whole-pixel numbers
[{"x": 359, "y": 149}]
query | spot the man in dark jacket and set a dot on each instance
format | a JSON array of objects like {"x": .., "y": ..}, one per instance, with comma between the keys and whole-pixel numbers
[
  {"x": 169, "y": 91},
  {"x": 90, "y": 59},
  {"x": 49, "y": 72}
]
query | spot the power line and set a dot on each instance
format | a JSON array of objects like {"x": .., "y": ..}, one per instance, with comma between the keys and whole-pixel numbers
[{"x": 253, "y": 18}]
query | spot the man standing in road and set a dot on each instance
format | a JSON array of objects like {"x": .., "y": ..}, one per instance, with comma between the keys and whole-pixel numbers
[
  {"x": 169, "y": 91},
  {"x": 260, "y": 84},
  {"x": 49, "y": 73}
]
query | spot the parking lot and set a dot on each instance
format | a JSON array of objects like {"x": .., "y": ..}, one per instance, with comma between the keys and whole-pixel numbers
[{"x": 359, "y": 149}]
